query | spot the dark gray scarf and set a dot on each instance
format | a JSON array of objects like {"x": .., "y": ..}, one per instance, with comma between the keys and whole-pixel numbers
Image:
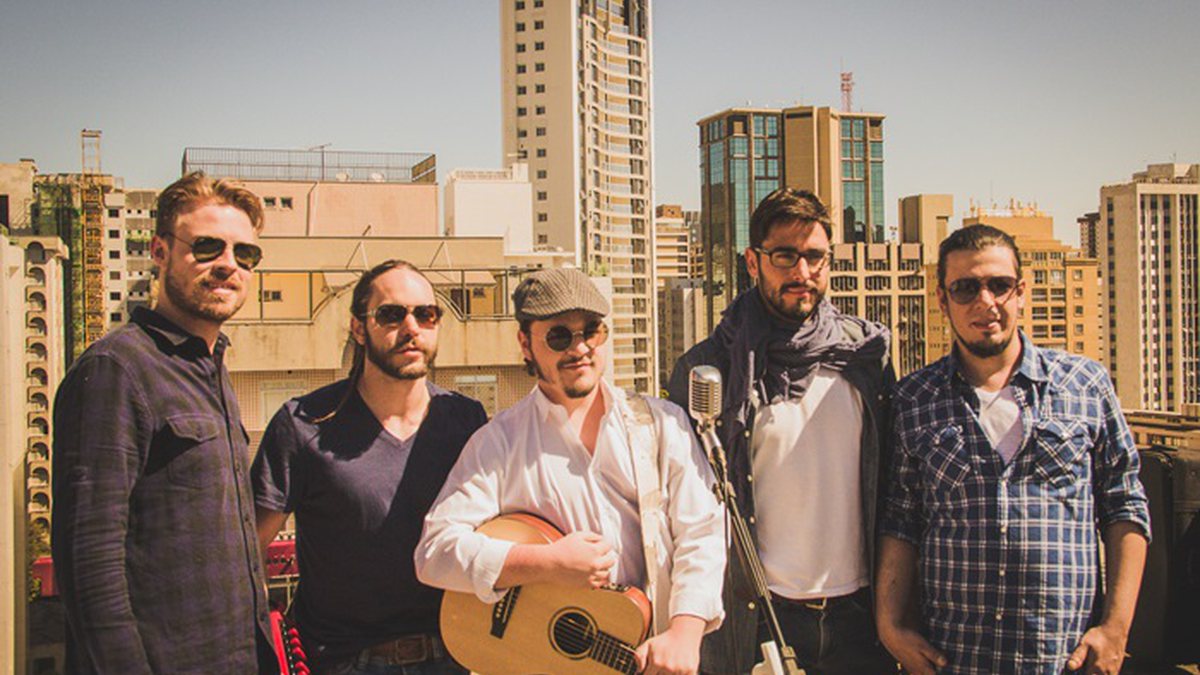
[{"x": 780, "y": 360}]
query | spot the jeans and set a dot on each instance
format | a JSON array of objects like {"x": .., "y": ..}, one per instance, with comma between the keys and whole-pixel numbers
[
  {"x": 837, "y": 640},
  {"x": 367, "y": 666}
]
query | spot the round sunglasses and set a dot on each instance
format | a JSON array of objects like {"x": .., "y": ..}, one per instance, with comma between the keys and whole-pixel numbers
[
  {"x": 206, "y": 249},
  {"x": 560, "y": 338},
  {"x": 964, "y": 291},
  {"x": 394, "y": 315}
]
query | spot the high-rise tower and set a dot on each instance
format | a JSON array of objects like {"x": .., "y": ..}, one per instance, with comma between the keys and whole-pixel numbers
[{"x": 575, "y": 102}]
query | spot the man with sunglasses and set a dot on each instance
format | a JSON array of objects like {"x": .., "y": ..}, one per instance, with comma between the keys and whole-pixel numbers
[
  {"x": 804, "y": 402},
  {"x": 153, "y": 541},
  {"x": 1007, "y": 458},
  {"x": 359, "y": 462},
  {"x": 572, "y": 452}
]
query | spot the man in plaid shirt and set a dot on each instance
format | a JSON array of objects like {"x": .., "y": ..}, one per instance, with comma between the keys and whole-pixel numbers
[{"x": 1007, "y": 457}]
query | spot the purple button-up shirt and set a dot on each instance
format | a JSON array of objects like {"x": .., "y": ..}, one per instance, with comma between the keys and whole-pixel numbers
[{"x": 153, "y": 530}]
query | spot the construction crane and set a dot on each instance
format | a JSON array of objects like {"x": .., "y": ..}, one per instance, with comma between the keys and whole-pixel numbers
[{"x": 91, "y": 199}]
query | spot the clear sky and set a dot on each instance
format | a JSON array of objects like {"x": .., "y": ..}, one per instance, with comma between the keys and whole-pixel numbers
[{"x": 1041, "y": 101}]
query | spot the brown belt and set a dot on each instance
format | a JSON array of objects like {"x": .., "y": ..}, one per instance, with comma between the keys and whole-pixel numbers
[
  {"x": 408, "y": 650},
  {"x": 818, "y": 604}
]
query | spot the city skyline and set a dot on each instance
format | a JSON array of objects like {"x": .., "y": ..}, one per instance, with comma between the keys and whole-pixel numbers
[{"x": 1035, "y": 102}]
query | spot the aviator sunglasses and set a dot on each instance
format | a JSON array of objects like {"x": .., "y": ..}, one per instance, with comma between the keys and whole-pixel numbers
[
  {"x": 964, "y": 291},
  {"x": 394, "y": 315},
  {"x": 207, "y": 249},
  {"x": 560, "y": 338}
]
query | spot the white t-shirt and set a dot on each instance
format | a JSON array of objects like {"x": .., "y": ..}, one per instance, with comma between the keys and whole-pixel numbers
[
  {"x": 1000, "y": 417},
  {"x": 808, "y": 491}
]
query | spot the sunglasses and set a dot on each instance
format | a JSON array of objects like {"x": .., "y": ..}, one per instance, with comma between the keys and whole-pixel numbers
[
  {"x": 560, "y": 338},
  {"x": 207, "y": 249},
  {"x": 786, "y": 257},
  {"x": 964, "y": 291},
  {"x": 394, "y": 315}
]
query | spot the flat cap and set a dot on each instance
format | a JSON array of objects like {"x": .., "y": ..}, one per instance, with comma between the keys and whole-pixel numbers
[{"x": 551, "y": 292}]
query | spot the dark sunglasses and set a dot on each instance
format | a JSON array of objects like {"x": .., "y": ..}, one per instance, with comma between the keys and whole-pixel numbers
[
  {"x": 786, "y": 257},
  {"x": 394, "y": 315},
  {"x": 207, "y": 249},
  {"x": 964, "y": 291},
  {"x": 560, "y": 338}
]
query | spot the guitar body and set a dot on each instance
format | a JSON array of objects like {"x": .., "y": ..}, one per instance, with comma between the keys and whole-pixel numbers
[{"x": 544, "y": 628}]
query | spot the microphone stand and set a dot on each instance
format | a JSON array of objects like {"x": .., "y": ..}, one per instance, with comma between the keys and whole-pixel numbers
[{"x": 778, "y": 657}]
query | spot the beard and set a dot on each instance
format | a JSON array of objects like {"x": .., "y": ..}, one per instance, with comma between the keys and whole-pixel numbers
[
  {"x": 383, "y": 359},
  {"x": 198, "y": 300},
  {"x": 576, "y": 389},
  {"x": 985, "y": 348},
  {"x": 801, "y": 310}
]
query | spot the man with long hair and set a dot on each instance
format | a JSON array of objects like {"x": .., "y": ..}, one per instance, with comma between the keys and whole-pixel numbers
[{"x": 359, "y": 462}]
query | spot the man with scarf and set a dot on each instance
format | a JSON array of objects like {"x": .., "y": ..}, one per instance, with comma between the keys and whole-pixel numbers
[{"x": 804, "y": 409}]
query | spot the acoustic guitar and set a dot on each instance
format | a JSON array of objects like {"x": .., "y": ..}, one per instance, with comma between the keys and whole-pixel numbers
[{"x": 544, "y": 627}]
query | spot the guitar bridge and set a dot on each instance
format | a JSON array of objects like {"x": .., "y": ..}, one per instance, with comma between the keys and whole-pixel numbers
[{"x": 502, "y": 612}]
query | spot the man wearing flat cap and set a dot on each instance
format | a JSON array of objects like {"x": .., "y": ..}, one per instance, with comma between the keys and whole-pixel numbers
[{"x": 622, "y": 475}]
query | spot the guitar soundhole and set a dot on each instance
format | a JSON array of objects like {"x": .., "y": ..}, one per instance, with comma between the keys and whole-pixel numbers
[{"x": 573, "y": 633}]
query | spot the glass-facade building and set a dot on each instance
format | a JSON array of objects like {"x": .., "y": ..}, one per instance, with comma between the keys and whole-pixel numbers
[{"x": 746, "y": 153}]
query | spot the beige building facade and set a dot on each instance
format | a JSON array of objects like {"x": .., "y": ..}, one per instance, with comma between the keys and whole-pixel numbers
[
  {"x": 491, "y": 203},
  {"x": 672, "y": 245},
  {"x": 682, "y": 322},
  {"x": 32, "y": 362},
  {"x": 575, "y": 105},
  {"x": 1149, "y": 240}
]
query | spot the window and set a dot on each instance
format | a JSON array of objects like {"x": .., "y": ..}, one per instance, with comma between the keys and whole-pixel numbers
[
  {"x": 540, "y": 131},
  {"x": 114, "y": 295},
  {"x": 1078, "y": 310},
  {"x": 269, "y": 202},
  {"x": 541, "y": 109},
  {"x": 539, "y": 67},
  {"x": 114, "y": 234},
  {"x": 520, "y": 5},
  {"x": 538, "y": 25},
  {"x": 541, "y": 174},
  {"x": 543, "y": 238},
  {"x": 1079, "y": 329},
  {"x": 539, "y": 88},
  {"x": 114, "y": 213},
  {"x": 1077, "y": 292},
  {"x": 1077, "y": 275},
  {"x": 1078, "y": 347},
  {"x": 541, "y": 196},
  {"x": 537, "y": 4},
  {"x": 114, "y": 255},
  {"x": 520, "y": 68},
  {"x": 520, "y": 48},
  {"x": 114, "y": 275},
  {"x": 520, "y": 27},
  {"x": 521, "y": 112},
  {"x": 521, "y": 133},
  {"x": 539, "y": 46},
  {"x": 520, "y": 90},
  {"x": 115, "y": 317},
  {"x": 270, "y": 296},
  {"x": 285, "y": 202},
  {"x": 541, "y": 152}
]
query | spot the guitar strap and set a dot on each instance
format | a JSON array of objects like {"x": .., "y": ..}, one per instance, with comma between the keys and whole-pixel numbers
[{"x": 644, "y": 443}]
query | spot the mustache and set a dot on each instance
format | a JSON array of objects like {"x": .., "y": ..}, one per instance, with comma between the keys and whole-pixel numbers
[{"x": 797, "y": 284}]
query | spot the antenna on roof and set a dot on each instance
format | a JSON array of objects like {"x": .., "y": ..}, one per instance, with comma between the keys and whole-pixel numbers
[{"x": 847, "y": 90}]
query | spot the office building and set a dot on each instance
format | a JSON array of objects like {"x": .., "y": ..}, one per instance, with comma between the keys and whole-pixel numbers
[
  {"x": 575, "y": 105},
  {"x": 925, "y": 219},
  {"x": 1149, "y": 241},
  {"x": 747, "y": 153},
  {"x": 672, "y": 245},
  {"x": 1088, "y": 235},
  {"x": 491, "y": 203},
  {"x": 32, "y": 362},
  {"x": 681, "y": 322}
]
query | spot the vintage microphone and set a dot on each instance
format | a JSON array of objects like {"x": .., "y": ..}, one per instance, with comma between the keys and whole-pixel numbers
[{"x": 704, "y": 405}]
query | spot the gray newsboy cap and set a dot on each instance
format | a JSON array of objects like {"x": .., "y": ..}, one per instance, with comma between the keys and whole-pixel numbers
[{"x": 547, "y": 293}]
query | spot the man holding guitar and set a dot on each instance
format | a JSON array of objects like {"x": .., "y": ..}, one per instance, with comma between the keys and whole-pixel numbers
[{"x": 623, "y": 476}]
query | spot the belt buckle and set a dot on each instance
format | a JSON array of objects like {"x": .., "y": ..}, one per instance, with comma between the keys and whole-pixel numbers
[
  {"x": 817, "y": 605},
  {"x": 426, "y": 652}
]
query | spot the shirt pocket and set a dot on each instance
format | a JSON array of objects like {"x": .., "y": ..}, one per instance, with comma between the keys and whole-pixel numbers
[
  {"x": 196, "y": 450},
  {"x": 1062, "y": 448},
  {"x": 947, "y": 464}
]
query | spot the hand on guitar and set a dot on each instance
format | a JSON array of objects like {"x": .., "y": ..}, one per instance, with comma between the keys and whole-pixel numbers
[
  {"x": 581, "y": 559},
  {"x": 675, "y": 652}
]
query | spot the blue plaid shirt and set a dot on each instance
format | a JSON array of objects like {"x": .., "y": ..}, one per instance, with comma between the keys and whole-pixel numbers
[{"x": 1008, "y": 553}]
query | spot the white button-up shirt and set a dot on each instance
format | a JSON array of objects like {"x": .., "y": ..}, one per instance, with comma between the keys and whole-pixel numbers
[{"x": 530, "y": 459}]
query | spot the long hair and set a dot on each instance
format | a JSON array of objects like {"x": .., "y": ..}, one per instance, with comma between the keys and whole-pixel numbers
[{"x": 358, "y": 310}]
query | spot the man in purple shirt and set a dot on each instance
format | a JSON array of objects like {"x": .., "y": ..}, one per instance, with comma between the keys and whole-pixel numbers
[{"x": 153, "y": 537}]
